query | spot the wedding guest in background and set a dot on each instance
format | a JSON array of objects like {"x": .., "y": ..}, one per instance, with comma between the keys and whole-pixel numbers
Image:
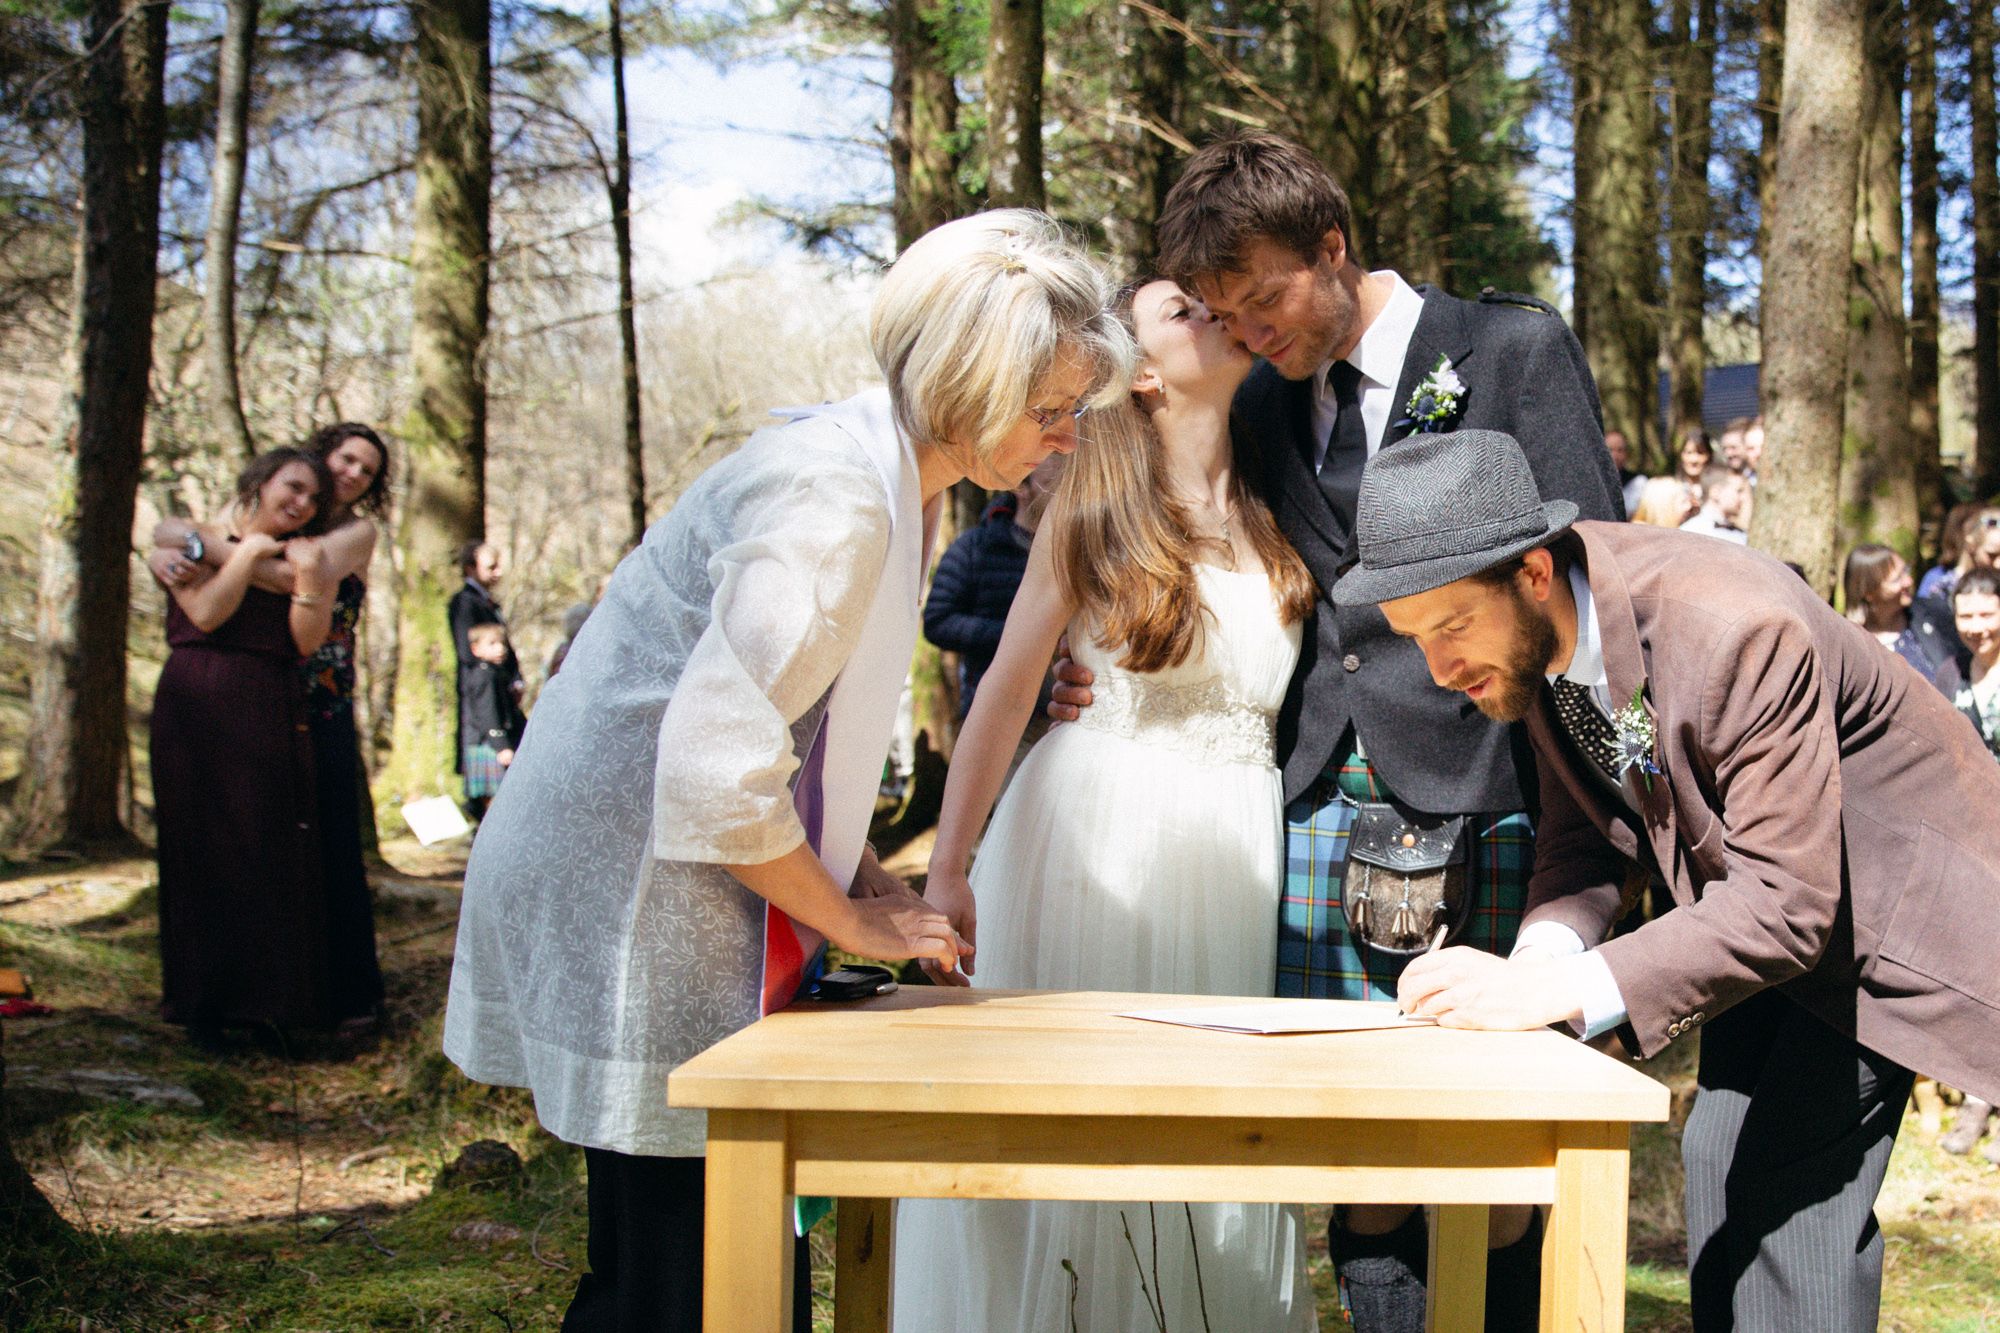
[
  {"x": 1731, "y": 444},
  {"x": 490, "y": 716},
  {"x": 1663, "y": 503},
  {"x": 685, "y": 823},
  {"x": 1631, "y": 483},
  {"x": 1967, "y": 677},
  {"x": 477, "y": 603},
  {"x": 358, "y": 461},
  {"x": 1154, "y": 820},
  {"x": 572, "y": 625},
  {"x": 1959, "y": 521},
  {"x": 977, "y": 576},
  {"x": 243, "y": 922},
  {"x": 1879, "y": 596},
  {"x": 1970, "y": 681},
  {"x": 1725, "y": 506},
  {"x": 1979, "y": 548},
  {"x": 1753, "y": 449},
  {"x": 1691, "y": 460}
]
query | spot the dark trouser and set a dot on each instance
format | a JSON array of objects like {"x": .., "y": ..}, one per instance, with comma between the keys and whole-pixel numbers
[
  {"x": 645, "y": 1249},
  {"x": 1785, "y": 1151}
]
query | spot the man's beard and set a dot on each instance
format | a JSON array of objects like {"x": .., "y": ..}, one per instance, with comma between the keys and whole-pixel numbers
[{"x": 1521, "y": 675}]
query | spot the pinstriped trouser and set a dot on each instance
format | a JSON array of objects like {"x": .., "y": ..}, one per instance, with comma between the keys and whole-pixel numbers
[{"x": 1785, "y": 1151}]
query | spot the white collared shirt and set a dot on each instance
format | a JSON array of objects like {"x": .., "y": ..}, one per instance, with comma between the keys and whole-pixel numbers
[
  {"x": 1379, "y": 356},
  {"x": 1603, "y": 1002}
]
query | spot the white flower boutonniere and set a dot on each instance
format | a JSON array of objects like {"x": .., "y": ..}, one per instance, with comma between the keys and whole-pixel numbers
[
  {"x": 1435, "y": 400},
  {"x": 1635, "y": 739}
]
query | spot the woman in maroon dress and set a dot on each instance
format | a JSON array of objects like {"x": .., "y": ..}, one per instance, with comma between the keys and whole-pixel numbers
[
  {"x": 243, "y": 923},
  {"x": 358, "y": 462}
]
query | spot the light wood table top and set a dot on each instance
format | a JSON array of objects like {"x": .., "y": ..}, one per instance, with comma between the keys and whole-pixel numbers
[
  {"x": 956, "y": 1093},
  {"x": 937, "y": 1049}
]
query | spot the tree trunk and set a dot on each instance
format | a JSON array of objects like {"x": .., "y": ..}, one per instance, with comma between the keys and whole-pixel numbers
[
  {"x": 1808, "y": 277},
  {"x": 1153, "y": 65},
  {"x": 1616, "y": 208},
  {"x": 1924, "y": 296},
  {"x": 1770, "y": 90},
  {"x": 1985, "y": 255},
  {"x": 225, "y": 206},
  {"x": 1586, "y": 112},
  {"x": 1878, "y": 492},
  {"x": 77, "y": 748},
  {"x": 923, "y": 124},
  {"x": 1343, "y": 116},
  {"x": 1693, "y": 93},
  {"x": 628, "y": 329},
  {"x": 450, "y": 260},
  {"x": 1429, "y": 244},
  {"x": 1014, "y": 105}
]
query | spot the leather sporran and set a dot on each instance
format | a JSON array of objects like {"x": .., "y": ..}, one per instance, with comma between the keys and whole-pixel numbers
[{"x": 1406, "y": 876}]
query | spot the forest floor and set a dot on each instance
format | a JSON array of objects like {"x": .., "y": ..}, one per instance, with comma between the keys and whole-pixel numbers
[{"x": 258, "y": 1188}]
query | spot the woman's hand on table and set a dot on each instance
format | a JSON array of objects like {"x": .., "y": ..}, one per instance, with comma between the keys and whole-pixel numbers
[
  {"x": 951, "y": 893},
  {"x": 900, "y": 926}
]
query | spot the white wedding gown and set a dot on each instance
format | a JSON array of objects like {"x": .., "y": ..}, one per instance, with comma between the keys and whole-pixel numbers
[{"x": 1139, "y": 849}]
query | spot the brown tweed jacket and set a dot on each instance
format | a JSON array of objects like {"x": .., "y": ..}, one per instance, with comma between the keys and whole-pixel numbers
[{"x": 1826, "y": 821}]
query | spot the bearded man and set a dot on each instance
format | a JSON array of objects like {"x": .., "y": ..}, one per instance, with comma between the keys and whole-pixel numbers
[{"x": 1820, "y": 814}]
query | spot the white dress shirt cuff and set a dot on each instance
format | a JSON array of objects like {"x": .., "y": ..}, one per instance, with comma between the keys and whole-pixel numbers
[{"x": 1603, "y": 1002}]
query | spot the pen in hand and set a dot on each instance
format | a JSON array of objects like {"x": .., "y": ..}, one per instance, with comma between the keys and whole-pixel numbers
[{"x": 1438, "y": 938}]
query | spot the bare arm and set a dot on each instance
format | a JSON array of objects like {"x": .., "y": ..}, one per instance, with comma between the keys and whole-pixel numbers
[
  {"x": 312, "y": 598},
  {"x": 349, "y": 548},
  {"x": 1000, "y": 712},
  {"x": 212, "y": 601},
  {"x": 892, "y": 926}
]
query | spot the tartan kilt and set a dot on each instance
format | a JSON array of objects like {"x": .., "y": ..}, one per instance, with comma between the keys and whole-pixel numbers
[
  {"x": 1317, "y": 955},
  {"x": 483, "y": 771}
]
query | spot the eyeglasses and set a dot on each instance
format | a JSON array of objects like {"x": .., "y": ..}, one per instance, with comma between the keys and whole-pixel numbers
[{"x": 1047, "y": 417}]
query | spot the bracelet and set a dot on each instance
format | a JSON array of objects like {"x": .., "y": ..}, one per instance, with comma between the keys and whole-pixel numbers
[{"x": 301, "y": 599}]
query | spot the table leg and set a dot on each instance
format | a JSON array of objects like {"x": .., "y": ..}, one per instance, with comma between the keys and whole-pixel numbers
[
  {"x": 747, "y": 1251},
  {"x": 1458, "y": 1269},
  {"x": 864, "y": 1265},
  {"x": 1583, "y": 1253}
]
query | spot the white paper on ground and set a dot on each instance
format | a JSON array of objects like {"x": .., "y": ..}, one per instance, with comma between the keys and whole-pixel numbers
[
  {"x": 1268, "y": 1019},
  {"x": 435, "y": 818}
]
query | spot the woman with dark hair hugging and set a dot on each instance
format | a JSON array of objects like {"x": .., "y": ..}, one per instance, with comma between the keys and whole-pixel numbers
[
  {"x": 242, "y": 910},
  {"x": 357, "y": 460}
]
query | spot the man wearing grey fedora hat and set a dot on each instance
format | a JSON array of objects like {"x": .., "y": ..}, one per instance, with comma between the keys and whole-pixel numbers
[{"x": 1820, "y": 815}]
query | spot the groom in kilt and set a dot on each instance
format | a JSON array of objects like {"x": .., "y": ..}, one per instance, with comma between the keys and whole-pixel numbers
[{"x": 1408, "y": 812}]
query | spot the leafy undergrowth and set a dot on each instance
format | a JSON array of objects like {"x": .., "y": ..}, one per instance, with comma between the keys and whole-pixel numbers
[{"x": 268, "y": 1188}]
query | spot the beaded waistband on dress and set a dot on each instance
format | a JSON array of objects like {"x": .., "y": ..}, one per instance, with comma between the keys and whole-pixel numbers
[{"x": 1200, "y": 719}]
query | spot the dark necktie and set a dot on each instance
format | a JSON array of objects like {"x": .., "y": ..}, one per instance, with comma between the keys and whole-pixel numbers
[
  {"x": 1586, "y": 724},
  {"x": 1347, "y": 447}
]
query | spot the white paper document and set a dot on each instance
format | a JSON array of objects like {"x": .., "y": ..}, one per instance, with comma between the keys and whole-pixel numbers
[
  {"x": 1291, "y": 1016},
  {"x": 435, "y": 819}
]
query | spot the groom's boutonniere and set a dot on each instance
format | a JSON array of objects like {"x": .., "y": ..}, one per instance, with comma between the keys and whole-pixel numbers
[
  {"x": 1435, "y": 400},
  {"x": 1634, "y": 731}
]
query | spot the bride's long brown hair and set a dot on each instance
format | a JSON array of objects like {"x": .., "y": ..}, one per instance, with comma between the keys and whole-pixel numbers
[{"x": 1124, "y": 547}]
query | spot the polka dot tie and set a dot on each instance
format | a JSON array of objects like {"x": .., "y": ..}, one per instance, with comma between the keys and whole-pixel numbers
[{"x": 1586, "y": 724}]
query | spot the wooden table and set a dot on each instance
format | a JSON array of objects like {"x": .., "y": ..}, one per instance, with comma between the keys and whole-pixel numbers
[{"x": 958, "y": 1093}]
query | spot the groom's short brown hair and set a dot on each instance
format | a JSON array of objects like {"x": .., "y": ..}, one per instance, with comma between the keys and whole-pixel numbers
[{"x": 1247, "y": 185}]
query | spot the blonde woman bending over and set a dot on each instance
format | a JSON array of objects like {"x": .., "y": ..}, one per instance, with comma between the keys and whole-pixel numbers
[{"x": 1138, "y": 849}]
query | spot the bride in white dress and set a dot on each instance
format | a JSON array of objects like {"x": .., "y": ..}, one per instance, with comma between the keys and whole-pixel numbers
[{"x": 1138, "y": 849}]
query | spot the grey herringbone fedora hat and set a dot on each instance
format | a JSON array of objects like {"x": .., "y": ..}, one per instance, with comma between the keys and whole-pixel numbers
[{"x": 1437, "y": 508}]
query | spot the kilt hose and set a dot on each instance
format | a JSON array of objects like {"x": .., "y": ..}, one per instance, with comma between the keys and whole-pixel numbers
[{"x": 1317, "y": 955}]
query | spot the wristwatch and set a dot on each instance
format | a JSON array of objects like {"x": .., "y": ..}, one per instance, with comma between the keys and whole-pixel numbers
[{"x": 193, "y": 547}]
